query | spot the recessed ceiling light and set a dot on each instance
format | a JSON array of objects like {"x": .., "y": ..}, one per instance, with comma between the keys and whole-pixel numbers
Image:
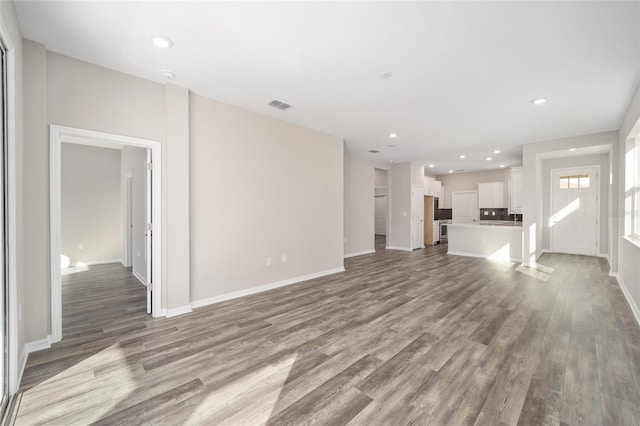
[
  {"x": 463, "y": 156},
  {"x": 502, "y": 166},
  {"x": 386, "y": 74},
  {"x": 431, "y": 166},
  {"x": 450, "y": 171},
  {"x": 393, "y": 135},
  {"x": 374, "y": 151},
  {"x": 538, "y": 101},
  {"x": 391, "y": 145},
  {"x": 391, "y": 161},
  {"x": 169, "y": 74},
  {"x": 162, "y": 42},
  {"x": 572, "y": 149},
  {"x": 497, "y": 151},
  {"x": 489, "y": 158}
]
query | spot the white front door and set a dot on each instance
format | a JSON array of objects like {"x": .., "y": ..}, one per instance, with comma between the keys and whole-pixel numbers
[
  {"x": 381, "y": 215},
  {"x": 464, "y": 206},
  {"x": 573, "y": 220},
  {"x": 417, "y": 218}
]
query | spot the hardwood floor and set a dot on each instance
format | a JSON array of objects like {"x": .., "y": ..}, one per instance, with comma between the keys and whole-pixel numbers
[{"x": 400, "y": 338}]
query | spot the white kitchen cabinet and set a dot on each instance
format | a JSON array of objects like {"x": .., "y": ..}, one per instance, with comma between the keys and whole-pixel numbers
[
  {"x": 515, "y": 190},
  {"x": 437, "y": 188},
  {"x": 432, "y": 186},
  {"x": 491, "y": 195},
  {"x": 428, "y": 185},
  {"x": 436, "y": 231}
]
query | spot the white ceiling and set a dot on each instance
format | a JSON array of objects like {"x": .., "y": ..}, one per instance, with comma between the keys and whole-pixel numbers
[{"x": 464, "y": 73}]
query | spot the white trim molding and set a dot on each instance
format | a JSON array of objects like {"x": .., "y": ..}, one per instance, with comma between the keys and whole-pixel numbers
[
  {"x": 627, "y": 295},
  {"x": 261, "y": 288},
  {"x": 30, "y": 347},
  {"x": 139, "y": 277},
  {"x": 178, "y": 311},
  {"x": 398, "y": 248},
  {"x": 359, "y": 253},
  {"x": 479, "y": 256},
  {"x": 73, "y": 135}
]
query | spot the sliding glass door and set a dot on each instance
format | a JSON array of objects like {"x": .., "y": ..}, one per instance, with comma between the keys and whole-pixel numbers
[{"x": 4, "y": 312}]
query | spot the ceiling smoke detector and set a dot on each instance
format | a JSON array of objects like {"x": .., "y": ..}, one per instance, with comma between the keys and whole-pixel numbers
[{"x": 279, "y": 104}]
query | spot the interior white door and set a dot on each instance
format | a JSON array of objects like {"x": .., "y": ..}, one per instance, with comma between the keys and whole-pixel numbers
[
  {"x": 381, "y": 215},
  {"x": 573, "y": 220},
  {"x": 149, "y": 233},
  {"x": 464, "y": 206},
  {"x": 417, "y": 218}
]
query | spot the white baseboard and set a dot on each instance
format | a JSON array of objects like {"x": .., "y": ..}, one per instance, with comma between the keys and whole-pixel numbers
[
  {"x": 627, "y": 295},
  {"x": 101, "y": 262},
  {"x": 139, "y": 277},
  {"x": 479, "y": 256},
  {"x": 28, "y": 348},
  {"x": 359, "y": 253},
  {"x": 178, "y": 311},
  {"x": 398, "y": 248},
  {"x": 260, "y": 289}
]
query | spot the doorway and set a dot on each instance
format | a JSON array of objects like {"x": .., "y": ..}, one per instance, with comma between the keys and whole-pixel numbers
[
  {"x": 60, "y": 134},
  {"x": 381, "y": 208},
  {"x": 574, "y": 217},
  {"x": 417, "y": 217}
]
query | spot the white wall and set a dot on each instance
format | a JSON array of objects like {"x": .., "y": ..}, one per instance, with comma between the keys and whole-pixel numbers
[
  {"x": 601, "y": 160},
  {"x": 35, "y": 168},
  {"x": 359, "y": 179},
  {"x": 90, "y": 204},
  {"x": 628, "y": 265},
  {"x": 534, "y": 190},
  {"x": 261, "y": 188},
  {"x": 469, "y": 182},
  {"x": 380, "y": 177},
  {"x": 400, "y": 206},
  {"x": 134, "y": 160},
  {"x": 64, "y": 91}
]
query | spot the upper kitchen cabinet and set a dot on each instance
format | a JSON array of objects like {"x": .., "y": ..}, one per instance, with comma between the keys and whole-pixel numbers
[
  {"x": 491, "y": 195},
  {"x": 515, "y": 190},
  {"x": 432, "y": 186}
]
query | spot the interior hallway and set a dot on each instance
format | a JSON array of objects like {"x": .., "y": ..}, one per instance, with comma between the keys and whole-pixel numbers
[{"x": 400, "y": 337}]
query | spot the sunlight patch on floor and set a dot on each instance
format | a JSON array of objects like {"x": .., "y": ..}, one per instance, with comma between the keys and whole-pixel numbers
[
  {"x": 539, "y": 272},
  {"x": 248, "y": 400},
  {"x": 63, "y": 387}
]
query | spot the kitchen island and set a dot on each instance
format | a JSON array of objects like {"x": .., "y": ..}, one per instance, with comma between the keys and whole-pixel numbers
[{"x": 497, "y": 240}]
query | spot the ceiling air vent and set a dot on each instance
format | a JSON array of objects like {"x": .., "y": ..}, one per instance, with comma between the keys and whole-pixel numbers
[
  {"x": 279, "y": 104},
  {"x": 374, "y": 151},
  {"x": 460, "y": 170}
]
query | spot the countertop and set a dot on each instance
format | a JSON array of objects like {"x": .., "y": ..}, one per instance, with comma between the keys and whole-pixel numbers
[{"x": 489, "y": 224}]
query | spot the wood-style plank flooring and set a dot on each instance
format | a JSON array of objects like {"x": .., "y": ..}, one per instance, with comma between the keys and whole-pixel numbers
[{"x": 400, "y": 338}]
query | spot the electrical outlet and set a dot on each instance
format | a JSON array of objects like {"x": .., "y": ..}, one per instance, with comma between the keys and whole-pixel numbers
[
  {"x": 486, "y": 213},
  {"x": 284, "y": 258},
  {"x": 345, "y": 241},
  {"x": 268, "y": 261},
  {"x": 493, "y": 213},
  {"x": 81, "y": 246},
  {"x": 138, "y": 253},
  {"x": 404, "y": 214}
]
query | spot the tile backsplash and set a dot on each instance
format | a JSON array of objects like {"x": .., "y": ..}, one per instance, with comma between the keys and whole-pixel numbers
[{"x": 498, "y": 214}]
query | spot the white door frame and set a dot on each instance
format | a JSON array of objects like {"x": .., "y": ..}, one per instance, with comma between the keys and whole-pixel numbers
[
  {"x": 56, "y": 135},
  {"x": 598, "y": 196}
]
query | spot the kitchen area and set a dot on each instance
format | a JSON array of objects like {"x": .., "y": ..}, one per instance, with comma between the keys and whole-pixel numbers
[{"x": 476, "y": 214}]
